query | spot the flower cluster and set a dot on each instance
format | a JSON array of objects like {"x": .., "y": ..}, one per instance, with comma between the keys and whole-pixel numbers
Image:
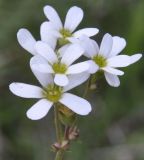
[{"x": 54, "y": 62}]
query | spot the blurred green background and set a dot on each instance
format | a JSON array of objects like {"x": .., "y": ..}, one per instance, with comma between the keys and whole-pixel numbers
[{"x": 115, "y": 128}]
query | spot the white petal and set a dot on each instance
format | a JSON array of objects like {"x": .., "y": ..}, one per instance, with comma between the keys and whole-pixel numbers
[
  {"x": 112, "y": 80},
  {"x": 40, "y": 64},
  {"x": 106, "y": 45},
  {"x": 93, "y": 67},
  {"x": 95, "y": 45},
  {"x": 43, "y": 68},
  {"x": 53, "y": 16},
  {"x": 52, "y": 42},
  {"x": 134, "y": 58},
  {"x": 47, "y": 28},
  {"x": 73, "y": 18},
  {"x": 25, "y": 90},
  {"x": 62, "y": 50},
  {"x": 76, "y": 80},
  {"x": 26, "y": 40},
  {"x": 48, "y": 35},
  {"x": 118, "y": 45},
  {"x": 78, "y": 68},
  {"x": 90, "y": 46},
  {"x": 39, "y": 110},
  {"x": 76, "y": 104},
  {"x": 46, "y": 51},
  {"x": 86, "y": 31},
  {"x": 113, "y": 71},
  {"x": 43, "y": 78},
  {"x": 73, "y": 40},
  {"x": 119, "y": 61},
  {"x": 61, "y": 80},
  {"x": 72, "y": 53}
]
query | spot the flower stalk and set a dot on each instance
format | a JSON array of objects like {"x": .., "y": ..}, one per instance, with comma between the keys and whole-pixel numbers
[
  {"x": 87, "y": 88},
  {"x": 59, "y": 135},
  {"x": 58, "y": 126},
  {"x": 65, "y": 132},
  {"x": 59, "y": 155}
]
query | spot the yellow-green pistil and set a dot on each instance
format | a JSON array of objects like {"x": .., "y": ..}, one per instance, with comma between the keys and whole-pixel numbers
[
  {"x": 100, "y": 61},
  {"x": 59, "y": 68},
  {"x": 53, "y": 93},
  {"x": 65, "y": 34}
]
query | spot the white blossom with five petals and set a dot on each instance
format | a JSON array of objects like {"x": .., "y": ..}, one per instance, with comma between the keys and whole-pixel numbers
[
  {"x": 53, "y": 29},
  {"x": 106, "y": 58},
  {"x": 49, "y": 94},
  {"x": 49, "y": 62},
  {"x": 64, "y": 32}
]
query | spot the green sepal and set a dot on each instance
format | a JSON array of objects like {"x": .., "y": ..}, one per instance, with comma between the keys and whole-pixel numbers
[
  {"x": 66, "y": 116},
  {"x": 62, "y": 42}
]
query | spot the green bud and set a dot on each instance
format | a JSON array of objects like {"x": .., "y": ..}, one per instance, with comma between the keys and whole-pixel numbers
[{"x": 67, "y": 117}]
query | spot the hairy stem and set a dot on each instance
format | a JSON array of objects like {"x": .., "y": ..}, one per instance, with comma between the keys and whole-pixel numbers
[
  {"x": 87, "y": 88},
  {"x": 59, "y": 155},
  {"x": 58, "y": 127}
]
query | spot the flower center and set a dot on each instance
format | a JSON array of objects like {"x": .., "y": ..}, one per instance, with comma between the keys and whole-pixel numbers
[
  {"x": 59, "y": 68},
  {"x": 52, "y": 92},
  {"x": 100, "y": 60},
  {"x": 65, "y": 34}
]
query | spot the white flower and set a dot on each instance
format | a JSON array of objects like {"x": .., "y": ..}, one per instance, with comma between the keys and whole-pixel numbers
[
  {"x": 50, "y": 94},
  {"x": 60, "y": 67},
  {"x": 64, "y": 32},
  {"x": 106, "y": 57}
]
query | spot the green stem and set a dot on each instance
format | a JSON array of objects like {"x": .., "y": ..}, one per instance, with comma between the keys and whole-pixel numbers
[
  {"x": 57, "y": 124},
  {"x": 87, "y": 88},
  {"x": 58, "y": 127},
  {"x": 59, "y": 155}
]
